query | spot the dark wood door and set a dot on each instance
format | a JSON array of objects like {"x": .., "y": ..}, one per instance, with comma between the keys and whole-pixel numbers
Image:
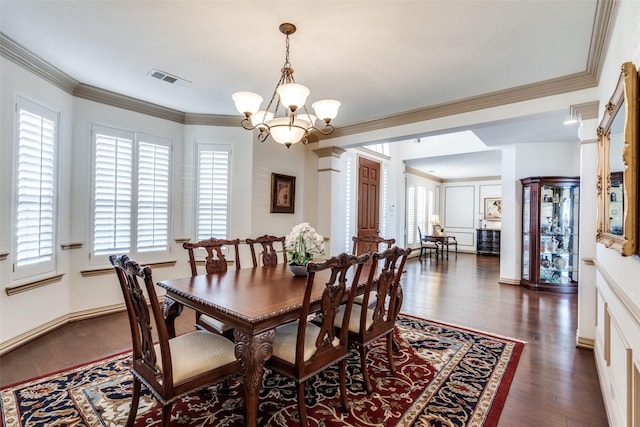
[{"x": 368, "y": 198}]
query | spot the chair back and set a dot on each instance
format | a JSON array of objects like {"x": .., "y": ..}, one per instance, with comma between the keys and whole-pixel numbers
[
  {"x": 269, "y": 255},
  {"x": 329, "y": 347},
  {"x": 370, "y": 244},
  {"x": 144, "y": 355},
  {"x": 420, "y": 234},
  {"x": 215, "y": 261},
  {"x": 387, "y": 290}
]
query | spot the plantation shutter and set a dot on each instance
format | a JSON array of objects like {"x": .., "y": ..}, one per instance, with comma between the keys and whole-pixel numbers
[
  {"x": 212, "y": 191},
  {"x": 113, "y": 191},
  {"x": 411, "y": 216},
  {"x": 36, "y": 187},
  {"x": 421, "y": 206},
  {"x": 153, "y": 197}
]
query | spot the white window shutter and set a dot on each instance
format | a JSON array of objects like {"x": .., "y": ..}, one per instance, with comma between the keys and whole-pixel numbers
[
  {"x": 36, "y": 189},
  {"x": 411, "y": 216},
  {"x": 212, "y": 191},
  {"x": 112, "y": 195},
  {"x": 153, "y": 197}
]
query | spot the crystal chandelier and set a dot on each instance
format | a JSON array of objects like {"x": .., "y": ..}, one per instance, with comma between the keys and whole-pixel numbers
[{"x": 295, "y": 123}]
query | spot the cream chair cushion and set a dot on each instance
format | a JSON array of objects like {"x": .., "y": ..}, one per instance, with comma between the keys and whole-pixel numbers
[
  {"x": 354, "y": 320},
  {"x": 284, "y": 343},
  {"x": 197, "y": 352}
]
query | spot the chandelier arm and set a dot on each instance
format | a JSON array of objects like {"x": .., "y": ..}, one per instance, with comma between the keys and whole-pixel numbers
[
  {"x": 327, "y": 130},
  {"x": 246, "y": 123}
]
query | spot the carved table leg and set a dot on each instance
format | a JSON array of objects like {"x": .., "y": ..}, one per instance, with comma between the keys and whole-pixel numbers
[
  {"x": 170, "y": 310},
  {"x": 253, "y": 351}
]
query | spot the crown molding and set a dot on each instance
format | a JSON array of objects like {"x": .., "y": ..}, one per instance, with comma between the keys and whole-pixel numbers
[
  {"x": 104, "y": 96},
  {"x": 412, "y": 171},
  {"x": 559, "y": 85},
  {"x": 600, "y": 34},
  {"x": 212, "y": 120},
  {"x": 586, "y": 110},
  {"x": 14, "y": 52}
]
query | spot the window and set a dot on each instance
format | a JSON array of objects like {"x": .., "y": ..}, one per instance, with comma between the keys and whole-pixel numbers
[
  {"x": 212, "y": 193},
  {"x": 35, "y": 211},
  {"x": 416, "y": 212},
  {"x": 411, "y": 215},
  {"x": 131, "y": 212}
]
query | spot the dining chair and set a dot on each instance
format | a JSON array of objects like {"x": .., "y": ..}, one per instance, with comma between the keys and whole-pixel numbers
[
  {"x": 172, "y": 367},
  {"x": 370, "y": 244},
  {"x": 269, "y": 255},
  {"x": 426, "y": 244},
  {"x": 215, "y": 262},
  {"x": 450, "y": 241},
  {"x": 301, "y": 349},
  {"x": 368, "y": 323}
]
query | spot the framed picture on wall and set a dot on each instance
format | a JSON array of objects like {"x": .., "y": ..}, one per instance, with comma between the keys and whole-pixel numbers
[
  {"x": 493, "y": 209},
  {"x": 283, "y": 193}
]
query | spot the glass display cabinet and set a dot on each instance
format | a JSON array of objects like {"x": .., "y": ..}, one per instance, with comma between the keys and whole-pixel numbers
[{"x": 550, "y": 207}]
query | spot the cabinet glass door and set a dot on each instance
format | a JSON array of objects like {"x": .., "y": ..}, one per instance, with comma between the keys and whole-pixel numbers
[
  {"x": 526, "y": 202},
  {"x": 558, "y": 234}
]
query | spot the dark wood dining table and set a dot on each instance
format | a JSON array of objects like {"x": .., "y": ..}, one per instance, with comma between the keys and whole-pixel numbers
[{"x": 254, "y": 302}]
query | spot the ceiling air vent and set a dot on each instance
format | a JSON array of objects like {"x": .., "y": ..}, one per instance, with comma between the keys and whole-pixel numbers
[{"x": 169, "y": 78}]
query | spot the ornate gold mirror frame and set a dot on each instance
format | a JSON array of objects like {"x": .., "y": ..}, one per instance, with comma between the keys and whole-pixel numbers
[{"x": 618, "y": 149}]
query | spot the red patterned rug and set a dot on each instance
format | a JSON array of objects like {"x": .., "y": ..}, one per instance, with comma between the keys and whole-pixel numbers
[{"x": 446, "y": 376}]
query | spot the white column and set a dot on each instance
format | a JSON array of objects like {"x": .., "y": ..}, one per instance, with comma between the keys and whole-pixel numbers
[
  {"x": 331, "y": 200},
  {"x": 585, "y": 334}
]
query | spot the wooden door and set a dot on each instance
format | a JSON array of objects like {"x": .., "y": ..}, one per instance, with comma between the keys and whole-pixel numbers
[{"x": 368, "y": 198}]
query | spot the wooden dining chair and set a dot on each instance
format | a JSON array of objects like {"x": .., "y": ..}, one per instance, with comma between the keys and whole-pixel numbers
[
  {"x": 302, "y": 349},
  {"x": 368, "y": 323},
  {"x": 370, "y": 244},
  {"x": 215, "y": 262},
  {"x": 170, "y": 368},
  {"x": 269, "y": 254}
]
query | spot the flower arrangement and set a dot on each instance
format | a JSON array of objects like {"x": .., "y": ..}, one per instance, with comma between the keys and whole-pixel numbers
[{"x": 302, "y": 243}]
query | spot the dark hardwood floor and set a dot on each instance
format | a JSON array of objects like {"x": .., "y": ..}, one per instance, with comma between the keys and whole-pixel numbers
[{"x": 556, "y": 384}]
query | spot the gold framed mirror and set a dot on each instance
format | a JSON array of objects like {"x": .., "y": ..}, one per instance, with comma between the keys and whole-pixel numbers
[{"x": 618, "y": 166}]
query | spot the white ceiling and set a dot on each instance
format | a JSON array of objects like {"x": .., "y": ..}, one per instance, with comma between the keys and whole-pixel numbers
[{"x": 379, "y": 58}]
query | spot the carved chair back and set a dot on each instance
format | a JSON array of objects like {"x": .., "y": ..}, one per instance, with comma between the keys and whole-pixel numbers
[
  {"x": 269, "y": 255},
  {"x": 370, "y": 244},
  {"x": 215, "y": 260}
]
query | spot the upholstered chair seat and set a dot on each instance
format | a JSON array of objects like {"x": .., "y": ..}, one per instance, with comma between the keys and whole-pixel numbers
[
  {"x": 284, "y": 343},
  {"x": 197, "y": 352}
]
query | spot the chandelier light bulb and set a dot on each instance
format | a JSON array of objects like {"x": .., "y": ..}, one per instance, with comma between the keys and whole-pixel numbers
[
  {"x": 293, "y": 95},
  {"x": 326, "y": 109},
  {"x": 284, "y": 133},
  {"x": 247, "y": 103},
  {"x": 260, "y": 118}
]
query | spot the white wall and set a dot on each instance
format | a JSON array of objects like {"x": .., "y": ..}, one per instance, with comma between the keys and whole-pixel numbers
[{"x": 463, "y": 202}]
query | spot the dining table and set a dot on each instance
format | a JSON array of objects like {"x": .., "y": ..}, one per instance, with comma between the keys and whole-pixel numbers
[{"x": 253, "y": 301}]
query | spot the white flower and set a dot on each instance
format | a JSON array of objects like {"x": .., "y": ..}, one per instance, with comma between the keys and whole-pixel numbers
[{"x": 302, "y": 243}]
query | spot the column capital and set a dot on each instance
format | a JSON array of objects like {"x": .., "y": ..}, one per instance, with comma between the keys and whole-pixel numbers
[{"x": 332, "y": 151}]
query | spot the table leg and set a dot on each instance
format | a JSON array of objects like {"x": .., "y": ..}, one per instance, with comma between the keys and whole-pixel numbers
[
  {"x": 253, "y": 351},
  {"x": 170, "y": 310}
]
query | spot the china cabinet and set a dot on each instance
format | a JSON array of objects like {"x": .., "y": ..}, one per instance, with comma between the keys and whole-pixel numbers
[{"x": 550, "y": 224}]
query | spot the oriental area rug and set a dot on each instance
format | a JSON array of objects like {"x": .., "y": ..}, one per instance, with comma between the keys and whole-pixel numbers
[{"x": 445, "y": 376}]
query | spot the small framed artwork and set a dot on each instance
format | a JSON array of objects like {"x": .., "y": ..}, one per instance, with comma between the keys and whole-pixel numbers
[
  {"x": 283, "y": 193},
  {"x": 493, "y": 209}
]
